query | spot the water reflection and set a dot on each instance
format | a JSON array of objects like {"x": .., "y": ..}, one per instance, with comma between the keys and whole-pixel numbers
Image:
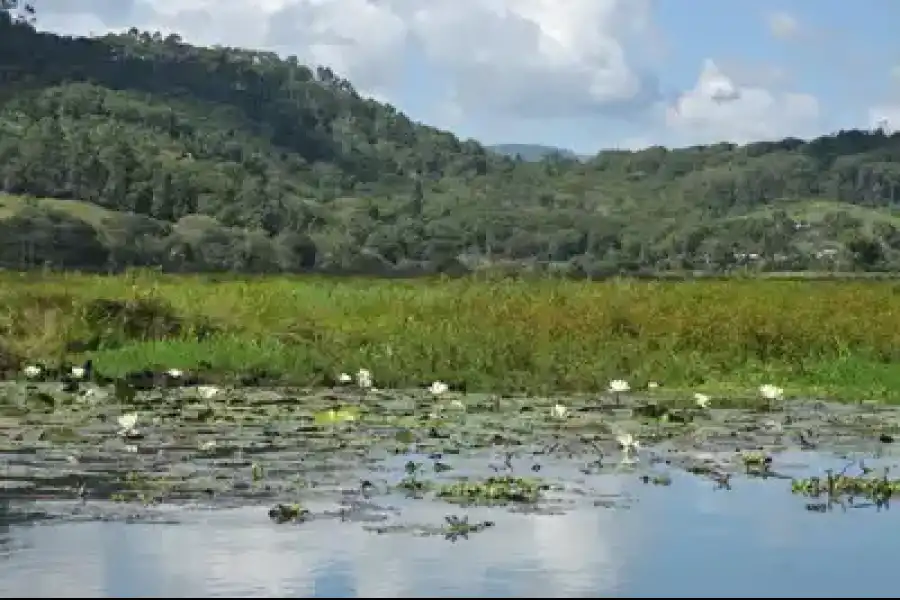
[
  {"x": 686, "y": 540},
  {"x": 239, "y": 553}
]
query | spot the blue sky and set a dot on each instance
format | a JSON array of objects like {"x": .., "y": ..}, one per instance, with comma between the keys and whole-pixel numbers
[{"x": 582, "y": 74}]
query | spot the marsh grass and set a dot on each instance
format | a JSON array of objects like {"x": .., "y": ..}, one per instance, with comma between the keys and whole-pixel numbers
[{"x": 539, "y": 336}]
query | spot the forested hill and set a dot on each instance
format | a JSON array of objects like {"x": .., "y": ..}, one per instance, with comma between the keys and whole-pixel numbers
[{"x": 136, "y": 149}]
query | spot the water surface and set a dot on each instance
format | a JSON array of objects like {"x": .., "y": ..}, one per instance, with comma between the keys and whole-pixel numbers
[
  {"x": 180, "y": 507},
  {"x": 688, "y": 539}
]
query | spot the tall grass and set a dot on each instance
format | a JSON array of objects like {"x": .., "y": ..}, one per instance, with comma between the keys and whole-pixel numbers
[{"x": 539, "y": 336}]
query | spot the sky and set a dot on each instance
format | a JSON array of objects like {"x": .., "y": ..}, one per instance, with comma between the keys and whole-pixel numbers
[{"x": 579, "y": 74}]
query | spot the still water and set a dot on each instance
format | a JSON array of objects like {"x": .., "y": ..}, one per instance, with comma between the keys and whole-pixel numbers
[{"x": 685, "y": 540}]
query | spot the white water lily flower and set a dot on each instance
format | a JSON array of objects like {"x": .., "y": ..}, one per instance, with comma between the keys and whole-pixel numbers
[
  {"x": 32, "y": 371},
  {"x": 773, "y": 426},
  {"x": 457, "y": 404},
  {"x": 207, "y": 392},
  {"x": 345, "y": 378},
  {"x": 652, "y": 385},
  {"x": 771, "y": 392},
  {"x": 619, "y": 386},
  {"x": 559, "y": 411},
  {"x": 438, "y": 387},
  {"x": 702, "y": 400},
  {"x": 78, "y": 372},
  {"x": 628, "y": 460},
  {"x": 127, "y": 423},
  {"x": 628, "y": 442},
  {"x": 175, "y": 373},
  {"x": 364, "y": 379}
]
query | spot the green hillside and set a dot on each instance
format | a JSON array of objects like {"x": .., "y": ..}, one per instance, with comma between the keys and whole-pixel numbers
[{"x": 162, "y": 153}]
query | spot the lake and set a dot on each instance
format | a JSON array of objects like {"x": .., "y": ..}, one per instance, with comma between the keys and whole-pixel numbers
[
  {"x": 403, "y": 496},
  {"x": 687, "y": 539}
]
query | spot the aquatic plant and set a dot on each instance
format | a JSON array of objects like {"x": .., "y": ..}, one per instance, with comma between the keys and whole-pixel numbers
[
  {"x": 840, "y": 486},
  {"x": 503, "y": 336},
  {"x": 770, "y": 393},
  {"x": 411, "y": 482},
  {"x": 128, "y": 425},
  {"x": 288, "y": 513},
  {"x": 628, "y": 443},
  {"x": 364, "y": 379},
  {"x": 559, "y": 411},
  {"x": 333, "y": 416},
  {"x": 701, "y": 400},
  {"x": 756, "y": 463},
  {"x": 493, "y": 490},
  {"x": 662, "y": 479},
  {"x": 438, "y": 388},
  {"x": 617, "y": 387},
  {"x": 207, "y": 392},
  {"x": 456, "y": 527}
]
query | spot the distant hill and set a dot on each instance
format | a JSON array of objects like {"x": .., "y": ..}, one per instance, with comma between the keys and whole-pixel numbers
[
  {"x": 531, "y": 152},
  {"x": 139, "y": 149}
]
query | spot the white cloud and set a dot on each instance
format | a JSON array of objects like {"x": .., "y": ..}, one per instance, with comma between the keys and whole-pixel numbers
[
  {"x": 521, "y": 57},
  {"x": 719, "y": 109},
  {"x": 886, "y": 116},
  {"x": 358, "y": 39},
  {"x": 536, "y": 57},
  {"x": 783, "y": 25},
  {"x": 238, "y": 553}
]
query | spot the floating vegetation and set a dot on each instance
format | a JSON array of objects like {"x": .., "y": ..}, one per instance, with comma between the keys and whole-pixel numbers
[
  {"x": 287, "y": 513},
  {"x": 660, "y": 479},
  {"x": 333, "y": 416},
  {"x": 453, "y": 529},
  {"x": 456, "y": 527},
  {"x": 411, "y": 482},
  {"x": 493, "y": 491},
  {"x": 347, "y": 445},
  {"x": 757, "y": 463},
  {"x": 842, "y": 487}
]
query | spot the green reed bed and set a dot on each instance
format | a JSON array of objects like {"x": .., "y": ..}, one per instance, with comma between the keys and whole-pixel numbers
[{"x": 540, "y": 336}]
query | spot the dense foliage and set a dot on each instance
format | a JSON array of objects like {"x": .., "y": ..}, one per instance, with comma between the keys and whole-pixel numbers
[{"x": 139, "y": 149}]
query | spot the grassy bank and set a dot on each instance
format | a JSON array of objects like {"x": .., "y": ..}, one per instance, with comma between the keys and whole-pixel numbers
[{"x": 833, "y": 338}]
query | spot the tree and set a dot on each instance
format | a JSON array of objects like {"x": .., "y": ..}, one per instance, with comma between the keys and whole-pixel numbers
[
  {"x": 18, "y": 11},
  {"x": 867, "y": 253}
]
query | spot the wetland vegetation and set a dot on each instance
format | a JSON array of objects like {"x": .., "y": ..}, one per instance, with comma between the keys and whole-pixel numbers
[{"x": 535, "y": 336}]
